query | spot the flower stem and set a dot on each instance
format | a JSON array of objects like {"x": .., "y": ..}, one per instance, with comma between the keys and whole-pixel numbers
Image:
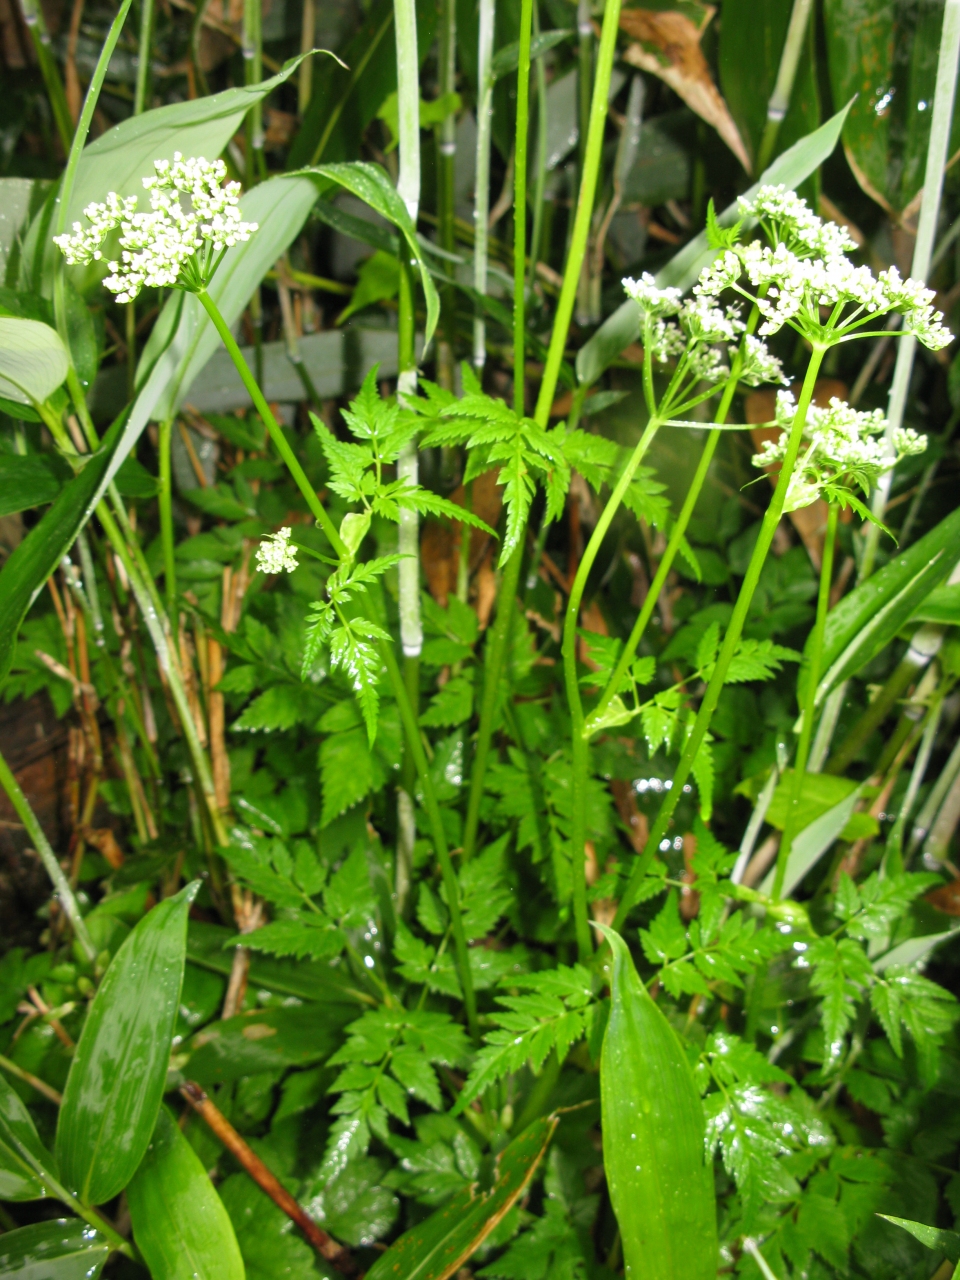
[
  {"x": 585, "y": 199},
  {"x": 270, "y": 422},
  {"x": 520, "y": 205},
  {"x": 165, "y": 501},
  {"x": 809, "y": 701},
  {"x": 49, "y": 859},
  {"x": 415, "y": 747},
  {"x": 732, "y": 638},
  {"x": 578, "y": 741}
]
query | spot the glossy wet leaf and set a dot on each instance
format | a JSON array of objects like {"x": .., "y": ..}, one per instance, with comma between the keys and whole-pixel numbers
[
  {"x": 436, "y": 1248},
  {"x": 179, "y": 1222},
  {"x": 264, "y": 1040},
  {"x": 27, "y": 568},
  {"x": 623, "y": 326},
  {"x": 653, "y": 1135},
  {"x": 33, "y": 360},
  {"x": 119, "y": 1070},
  {"x": 21, "y": 1151},
  {"x": 870, "y": 616},
  {"x": 62, "y": 1249},
  {"x": 945, "y": 1242}
]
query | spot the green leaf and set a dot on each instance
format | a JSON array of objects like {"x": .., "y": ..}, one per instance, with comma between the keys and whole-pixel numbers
[
  {"x": 623, "y": 327},
  {"x": 653, "y": 1127},
  {"x": 33, "y": 360},
  {"x": 812, "y": 842},
  {"x": 22, "y": 1153},
  {"x": 945, "y": 1242},
  {"x": 61, "y": 1249},
  {"x": 271, "y": 1251},
  {"x": 348, "y": 772},
  {"x": 507, "y": 59},
  {"x": 868, "y": 617},
  {"x": 353, "y": 1206},
  {"x": 29, "y": 480},
  {"x": 451, "y": 705},
  {"x": 179, "y": 1223},
  {"x": 279, "y": 707},
  {"x": 307, "y": 936},
  {"x": 119, "y": 1070},
  {"x": 438, "y": 1247},
  {"x": 371, "y": 184},
  {"x": 264, "y": 1040},
  {"x": 377, "y": 279}
]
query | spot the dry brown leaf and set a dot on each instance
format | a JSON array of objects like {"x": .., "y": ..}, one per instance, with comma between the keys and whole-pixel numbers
[{"x": 669, "y": 47}]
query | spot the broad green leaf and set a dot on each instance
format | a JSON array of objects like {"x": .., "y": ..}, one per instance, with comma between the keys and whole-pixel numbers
[
  {"x": 179, "y": 1223},
  {"x": 62, "y": 1249},
  {"x": 32, "y": 562},
  {"x": 751, "y": 44},
  {"x": 438, "y": 1247},
  {"x": 941, "y": 605},
  {"x": 119, "y": 1070},
  {"x": 183, "y": 339},
  {"x": 21, "y": 1151},
  {"x": 623, "y": 327},
  {"x": 19, "y": 200},
  {"x": 660, "y": 1185},
  {"x": 913, "y": 950},
  {"x": 122, "y": 157},
  {"x": 33, "y": 360},
  {"x": 861, "y": 609},
  {"x": 945, "y": 1242},
  {"x": 886, "y": 55},
  {"x": 29, "y": 480},
  {"x": 264, "y": 1040},
  {"x": 372, "y": 185},
  {"x": 810, "y": 844}
]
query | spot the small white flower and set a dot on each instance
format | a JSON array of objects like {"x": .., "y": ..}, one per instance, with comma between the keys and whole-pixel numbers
[
  {"x": 275, "y": 553},
  {"x": 193, "y": 217},
  {"x": 759, "y": 365},
  {"x": 654, "y": 301}
]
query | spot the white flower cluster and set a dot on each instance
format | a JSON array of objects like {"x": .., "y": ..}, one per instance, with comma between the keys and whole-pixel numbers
[
  {"x": 654, "y": 301},
  {"x": 759, "y": 365},
  {"x": 806, "y": 269},
  {"x": 275, "y": 553},
  {"x": 843, "y": 445},
  {"x": 191, "y": 212}
]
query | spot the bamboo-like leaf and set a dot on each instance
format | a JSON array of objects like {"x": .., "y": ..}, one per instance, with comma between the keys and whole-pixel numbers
[
  {"x": 64, "y": 1249},
  {"x": 623, "y": 327},
  {"x": 179, "y": 1223},
  {"x": 438, "y": 1247},
  {"x": 21, "y": 1151},
  {"x": 653, "y": 1137},
  {"x": 33, "y": 360},
  {"x": 945, "y": 1242},
  {"x": 119, "y": 1070},
  {"x": 31, "y": 563}
]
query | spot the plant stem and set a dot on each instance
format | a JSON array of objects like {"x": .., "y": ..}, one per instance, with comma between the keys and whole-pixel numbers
[
  {"x": 809, "y": 701},
  {"x": 779, "y": 102},
  {"x": 579, "y": 742},
  {"x": 49, "y": 859},
  {"x": 732, "y": 638},
  {"x": 493, "y": 666},
  {"x": 33, "y": 17},
  {"x": 481, "y": 199},
  {"x": 434, "y": 816},
  {"x": 922, "y": 253},
  {"x": 541, "y": 178},
  {"x": 584, "y": 87},
  {"x": 253, "y": 74},
  {"x": 144, "y": 49},
  {"x": 446, "y": 174},
  {"x": 520, "y": 206},
  {"x": 893, "y": 854},
  {"x": 165, "y": 503},
  {"x": 408, "y": 105},
  {"x": 270, "y": 422},
  {"x": 585, "y": 199}
]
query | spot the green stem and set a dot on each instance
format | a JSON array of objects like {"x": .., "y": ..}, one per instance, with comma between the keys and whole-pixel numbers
[
  {"x": 809, "y": 701},
  {"x": 33, "y": 17},
  {"x": 270, "y": 422},
  {"x": 786, "y": 75},
  {"x": 520, "y": 206},
  {"x": 408, "y": 105},
  {"x": 579, "y": 742},
  {"x": 165, "y": 502},
  {"x": 435, "y": 818},
  {"x": 481, "y": 198},
  {"x": 493, "y": 666},
  {"x": 585, "y": 199},
  {"x": 49, "y": 859},
  {"x": 253, "y": 74},
  {"x": 143, "y": 56},
  {"x": 541, "y": 178},
  {"x": 446, "y": 174},
  {"x": 732, "y": 638}
]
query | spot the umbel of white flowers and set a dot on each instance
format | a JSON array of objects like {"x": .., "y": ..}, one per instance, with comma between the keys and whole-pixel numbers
[
  {"x": 843, "y": 446},
  {"x": 193, "y": 219},
  {"x": 275, "y": 553}
]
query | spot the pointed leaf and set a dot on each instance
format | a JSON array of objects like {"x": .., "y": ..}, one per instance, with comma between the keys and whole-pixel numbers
[
  {"x": 119, "y": 1070},
  {"x": 21, "y": 1151},
  {"x": 64, "y": 1249}
]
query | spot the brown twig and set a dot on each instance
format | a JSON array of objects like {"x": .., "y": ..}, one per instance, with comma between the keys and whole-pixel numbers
[
  {"x": 258, "y": 1171},
  {"x": 33, "y": 1081}
]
